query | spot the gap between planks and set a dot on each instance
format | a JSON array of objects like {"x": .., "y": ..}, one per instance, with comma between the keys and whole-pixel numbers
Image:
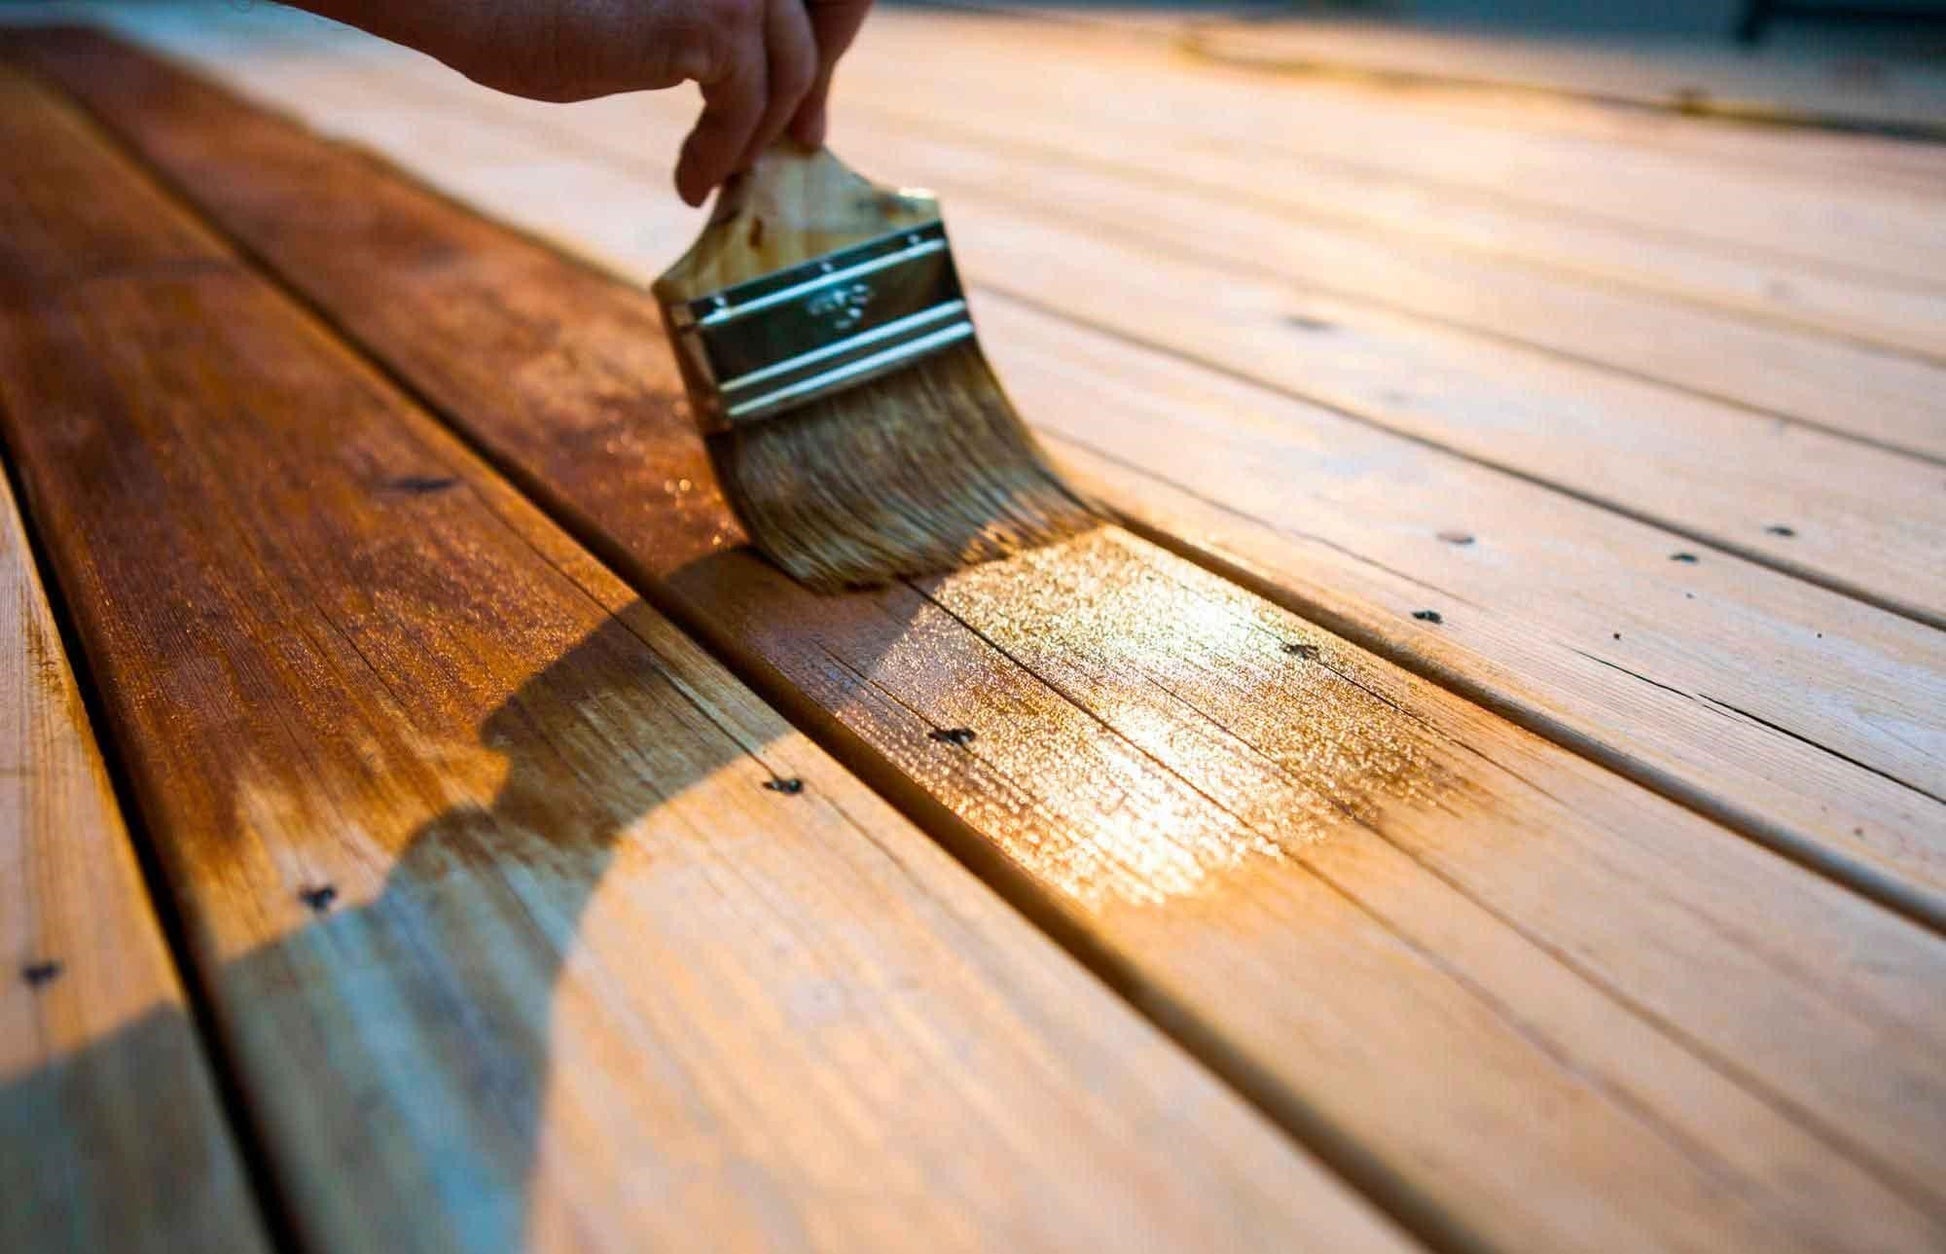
[{"x": 596, "y": 483}]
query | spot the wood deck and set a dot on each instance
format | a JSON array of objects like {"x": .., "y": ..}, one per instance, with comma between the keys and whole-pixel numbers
[{"x": 1487, "y": 793}]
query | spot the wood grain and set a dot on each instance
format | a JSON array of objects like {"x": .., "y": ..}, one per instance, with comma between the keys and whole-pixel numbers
[
  {"x": 1396, "y": 210},
  {"x": 1522, "y": 1001},
  {"x": 1856, "y": 518},
  {"x": 1201, "y": 199},
  {"x": 1809, "y": 155},
  {"x": 1865, "y": 230},
  {"x": 110, "y": 1132},
  {"x": 1806, "y": 91},
  {"x": 1794, "y": 712},
  {"x": 528, "y": 926}
]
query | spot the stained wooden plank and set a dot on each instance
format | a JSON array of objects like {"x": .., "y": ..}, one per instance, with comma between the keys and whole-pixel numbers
[
  {"x": 1856, "y": 518},
  {"x": 1525, "y": 1002},
  {"x": 110, "y": 1132},
  {"x": 529, "y": 926}
]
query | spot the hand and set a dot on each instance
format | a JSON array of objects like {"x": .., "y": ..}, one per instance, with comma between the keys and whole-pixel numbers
[{"x": 763, "y": 65}]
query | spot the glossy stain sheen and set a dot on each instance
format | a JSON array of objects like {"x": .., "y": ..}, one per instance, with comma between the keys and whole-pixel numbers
[{"x": 1265, "y": 751}]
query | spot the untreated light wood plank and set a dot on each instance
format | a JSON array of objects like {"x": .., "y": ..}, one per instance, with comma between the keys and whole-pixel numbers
[
  {"x": 1818, "y": 152},
  {"x": 111, "y": 1136},
  {"x": 1200, "y": 197},
  {"x": 1692, "y": 76},
  {"x": 1812, "y": 156},
  {"x": 1856, "y": 518},
  {"x": 1524, "y": 1001},
  {"x": 528, "y": 926},
  {"x": 1400, "y": 212},
  {"x": 1865, "y": 230}
]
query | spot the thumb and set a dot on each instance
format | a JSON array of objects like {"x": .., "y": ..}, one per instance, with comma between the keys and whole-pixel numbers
[{"x": 834, "y": 24}]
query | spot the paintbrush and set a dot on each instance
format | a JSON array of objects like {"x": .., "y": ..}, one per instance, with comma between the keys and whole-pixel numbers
[{"x": 830, "y": 361}]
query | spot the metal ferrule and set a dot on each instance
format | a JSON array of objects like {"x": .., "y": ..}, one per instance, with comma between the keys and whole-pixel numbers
[{"x": 769, "y": 345}]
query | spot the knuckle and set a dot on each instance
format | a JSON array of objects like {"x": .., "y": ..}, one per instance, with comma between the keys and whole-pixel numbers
[
  {"x": 729, "y": 24},
  {"x": 713, "y": 38}
]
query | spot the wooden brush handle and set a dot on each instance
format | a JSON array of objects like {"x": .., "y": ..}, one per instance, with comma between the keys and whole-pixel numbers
[{"x": 793, "y": 205}]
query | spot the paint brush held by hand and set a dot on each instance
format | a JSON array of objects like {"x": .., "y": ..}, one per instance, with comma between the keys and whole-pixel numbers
[{"x": 830, "y": 360}]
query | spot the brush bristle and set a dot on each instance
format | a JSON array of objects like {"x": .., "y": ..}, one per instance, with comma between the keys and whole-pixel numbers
[{"x": 917, "y": 473}]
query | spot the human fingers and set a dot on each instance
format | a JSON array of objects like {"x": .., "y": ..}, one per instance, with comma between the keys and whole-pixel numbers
[
  {"x": 791, "y": 59},
  {"x": 733, "y": 72},
  {"x": 835, "y": 24}
]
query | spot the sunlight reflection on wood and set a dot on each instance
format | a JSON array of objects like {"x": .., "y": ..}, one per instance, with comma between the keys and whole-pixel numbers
[{"x": 1127, "y": 634}]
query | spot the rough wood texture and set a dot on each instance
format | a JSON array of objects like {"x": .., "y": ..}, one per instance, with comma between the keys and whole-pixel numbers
[
  {"x": 1523, "y": 1002},
  {"x": 527, "y": 925},
  {"x": 1857, "y": 518},
  {"x": 1792, "y": 711},
  {"x": 110, "y": 1132}
]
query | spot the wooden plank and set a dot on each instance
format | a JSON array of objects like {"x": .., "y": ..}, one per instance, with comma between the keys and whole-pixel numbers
[
  {"x": 1241, "y": 204},
  {"x": 1523, "y": 1001},
  {"x": 1789, "y": 711},
  {"x": 1805, "y": 375},
  {"x": 1867, "y": 230},
  {"x": 1417, "y": 219},
  {"x": 110, "y": 1132},
  {"x": 527, "y": 924},
  {"x": 1863, "y": 805},
  {"x": 1858, "y": 519},
  {"x": 1687, "y": 76},
  {"x": 954, "y": 98},
  {"x": 1815, "y": 156},
  {"x": 877, "y": 85},
  {"x": 1867, "y": 785},
  {"x": 1820, "y": 154}
]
